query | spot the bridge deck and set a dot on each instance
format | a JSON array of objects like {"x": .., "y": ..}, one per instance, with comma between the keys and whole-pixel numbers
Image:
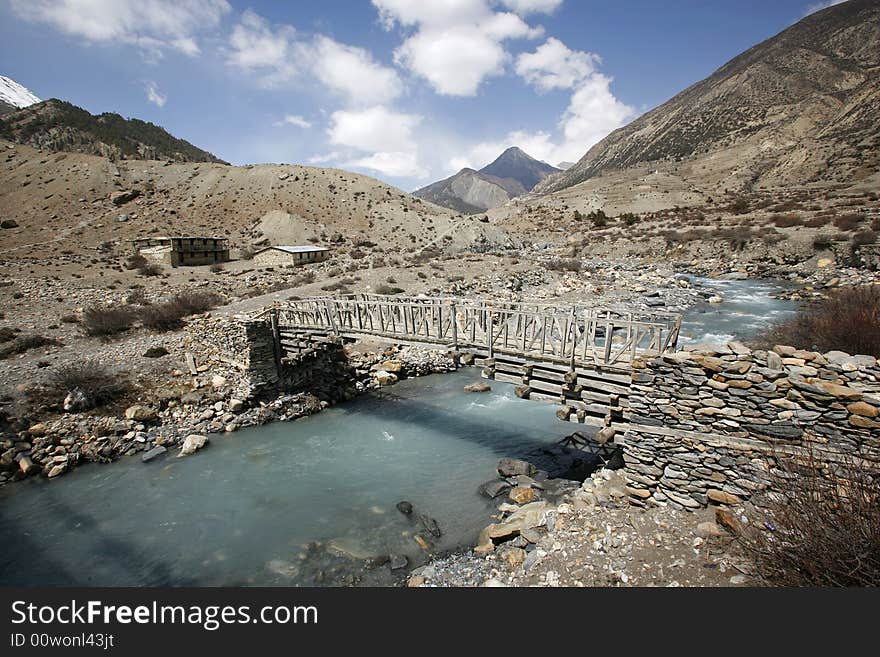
[{"x": 576, "y": 335}]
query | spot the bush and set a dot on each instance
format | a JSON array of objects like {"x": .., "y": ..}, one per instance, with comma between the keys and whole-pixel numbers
[
  {"x": 246, "y": 253},
  {"x": 104, "y": 321},
  {"x": 848, "y": 222},
  {"x": 864, "y": 237},
  {"x": 136, "y": 261},
  {"x": 196, "y": 302},
  {"x": 387, "y": 289},
  {"x": 822, "y": 242},
  {"x": 150, "y": 269},
  {"x": 216, "y": 268},
  {"x": 847, "y": 321},
  {"x": 786, "y": 220},
  {"x": 629, "y": 218},
  {"x": 826, "y": 527},
  {"x": 168, "y": 316},
  {"x": 598, "y": 218},
  {"x": 739, "y": 206},
  {"x": 99, "y": 385},
  {"x": 25, "y": 343}
]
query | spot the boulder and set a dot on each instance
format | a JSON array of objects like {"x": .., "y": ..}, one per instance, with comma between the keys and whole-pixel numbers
[
  {"x": 722, "y": 497},
  {"x": 77, "y": 401},
  {"x": 57, "y": 470},
  {"x": 9, "y": 223},
  {"x": 405, "y": 507},
  {"x": 430, "y": 525},
  {"x": 494, "y": 488},
  {"x": 513, "y": 467},
  {"x": 192, "y": 444},
  {"x": 384, "y": 378},
  {"x": 521, "y": 495},
  {"x": 38, "y": 430},
  {"x": 153, "y": 453},
  {"x": 140, "y": 413},
  {"x": 236, "y": 406},
  {"x": 478, "y": 387},
  {"x": 123, "y": 197},
  {"x": 392, "y": 366}
]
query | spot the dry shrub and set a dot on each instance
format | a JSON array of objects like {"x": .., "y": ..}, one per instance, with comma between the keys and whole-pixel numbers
[
  {"x": 817, "y": 222},
  {"x": 25, "y": 343},
  {"x": 168, "y": 315},
  {"x": 193, "y": 303},
  {"x": 387, "y": 289},
  {"x": 848, "y": 222},
  {"x": 136, "y": 261},
  {"x": 99, "y": 385},
  {"x": 104, "y": 321},
  {"x": 823, "y": 531},
  {"x": 786, "y": 220},
  {"x": 849, "y": 321},
  {"x": 150, "y": 269}
]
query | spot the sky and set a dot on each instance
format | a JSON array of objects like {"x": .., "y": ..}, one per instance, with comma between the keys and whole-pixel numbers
[{"x": 407, "y": 91}]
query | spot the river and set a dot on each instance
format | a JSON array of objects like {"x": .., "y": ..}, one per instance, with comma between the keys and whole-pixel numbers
[{"x": 298, "y": 503}]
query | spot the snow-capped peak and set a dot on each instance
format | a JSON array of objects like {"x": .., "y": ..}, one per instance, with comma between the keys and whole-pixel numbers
[{"x": 12, "y": 93}]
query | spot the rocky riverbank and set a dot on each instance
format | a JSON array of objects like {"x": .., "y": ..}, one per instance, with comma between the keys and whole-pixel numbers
[
  {"x": 188, "y": 420},
  {"x": 594, "y": 537}
]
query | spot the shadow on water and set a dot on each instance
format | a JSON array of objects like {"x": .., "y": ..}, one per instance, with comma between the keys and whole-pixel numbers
[
  {"x": 107, "y": 552},
  {"x": 485, "y": 432}
]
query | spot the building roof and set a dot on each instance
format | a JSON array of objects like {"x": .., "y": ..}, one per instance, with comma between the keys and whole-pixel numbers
[{"x": 296, "y": 249}]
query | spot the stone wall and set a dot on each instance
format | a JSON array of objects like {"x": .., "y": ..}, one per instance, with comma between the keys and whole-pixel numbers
[{"x": 712, "y": 425}]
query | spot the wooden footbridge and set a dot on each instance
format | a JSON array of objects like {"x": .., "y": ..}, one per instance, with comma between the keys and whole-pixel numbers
[{"x": 576, "y": 355}]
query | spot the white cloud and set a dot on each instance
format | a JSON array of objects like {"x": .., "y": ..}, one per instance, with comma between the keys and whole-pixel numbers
[
  {"x": 396, "y": 165},
  {"x": 277, "y": 54},
  {"x": 457, "y": 43},
  {"x": 818, "y": 6},
  {"x": 554, "y": 66},
  {"x": 154, "y": 95},
  {"x": 353, "y": 72},
  {"x": 293, "y": 119},
  {"x": 593, "y": 110},
  {"x": 373, "y": 129},
  {"x": 387, "y": 138},
  {"x": 258, "y": 47},
  {"x": 153, "y": 25}
]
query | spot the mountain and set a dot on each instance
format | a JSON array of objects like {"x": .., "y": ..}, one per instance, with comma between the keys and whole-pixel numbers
[
  {"x": 514, "y": 164},
  {"x": 14, "y": 96},
  {"x": 801, "y": 107},
  {"x": 56, "y": 125},
  {"x": 512, "y": 174}
]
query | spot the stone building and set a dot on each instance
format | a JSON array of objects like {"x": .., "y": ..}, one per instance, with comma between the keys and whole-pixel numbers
[
  {"x": 279, "y": 256},
  {"x": 183, "y": 251}
]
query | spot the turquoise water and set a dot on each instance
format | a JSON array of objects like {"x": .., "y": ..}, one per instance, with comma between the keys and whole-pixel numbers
[
  {"x": 747, "y": 308},
  {"x": 243, "y": 510}
]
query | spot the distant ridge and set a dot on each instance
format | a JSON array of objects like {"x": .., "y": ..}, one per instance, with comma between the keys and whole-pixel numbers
[
  {"x": 512, "y": 174},
  {"x": 57, "y": 125}
]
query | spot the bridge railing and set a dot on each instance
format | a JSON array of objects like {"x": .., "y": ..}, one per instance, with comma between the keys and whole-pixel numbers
[{"x": 576, "y": 334}]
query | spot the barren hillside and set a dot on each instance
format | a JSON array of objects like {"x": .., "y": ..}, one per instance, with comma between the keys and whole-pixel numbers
[
  {"x": 62, "y": 202},
  {"x": 799, "y": 108}
]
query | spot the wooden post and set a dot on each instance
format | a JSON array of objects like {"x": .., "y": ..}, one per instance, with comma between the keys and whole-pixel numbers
[
  {"x": 454, "y": 327},
  {"x": 276, "y": 339}
]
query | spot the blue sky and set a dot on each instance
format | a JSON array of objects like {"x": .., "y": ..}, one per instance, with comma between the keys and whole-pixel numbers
[{"x": 408, "y": 91}]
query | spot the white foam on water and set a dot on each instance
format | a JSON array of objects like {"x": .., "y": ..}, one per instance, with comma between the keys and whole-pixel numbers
[{"x": 387, "y": 436}]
